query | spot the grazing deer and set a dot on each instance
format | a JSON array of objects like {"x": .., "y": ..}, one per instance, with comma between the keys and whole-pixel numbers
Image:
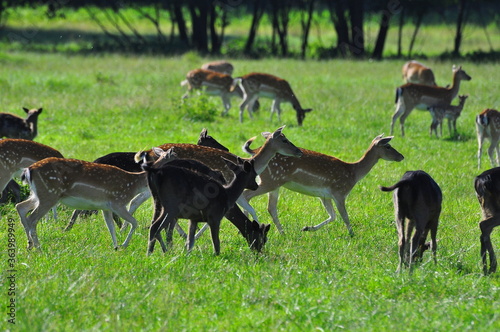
[
  {"x": 14, "y": 189},
  {"x": 257, "y": 85},
  {"x": 319, "y": 175},
  {"x": 12, "y": 126},
  {"x": 488, "y": 127},
  {"x": 81, "y": 185},
  {"x": 450, "y": 112},
  {"x": 417, "y": 199},
  {"x": 487, "y": 186},
  {"x": 220, "y": 66},
  {"x": 16, "y": 154},
  {"x": 411, "y": 95},
  {"x": 415, "y": 72},
  {"x": 183, "y": 193},
  {"x": 216, "y": 84}
]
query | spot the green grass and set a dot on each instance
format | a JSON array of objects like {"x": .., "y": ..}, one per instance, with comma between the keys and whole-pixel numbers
[{"x": 302, "y": 281}]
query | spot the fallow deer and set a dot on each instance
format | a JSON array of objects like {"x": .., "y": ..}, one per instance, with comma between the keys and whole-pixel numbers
[
  {"x": 417, "y": 206},
  {"x": 450, "y": 112},
  {"x": 216, "y": 84},
  {"x": 487, "y": 186},
  {"x": 183, "y": 193},
  {"x": 220, "y": 66},
  {"x": 488, "y": 127},
  {"x": 255, "y": 85},
  {"x": 13, "y": 126},
  {"x": 81, "y": 185},
  {"x": 319, "y": 175},
  {"x": 16, "y": 154},
  {"x": 411, "y": 95},
  {"x": 416, "y": 72}
]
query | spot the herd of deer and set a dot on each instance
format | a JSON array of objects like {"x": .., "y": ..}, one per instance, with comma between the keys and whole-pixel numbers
[{"x": 203, "y": 182}]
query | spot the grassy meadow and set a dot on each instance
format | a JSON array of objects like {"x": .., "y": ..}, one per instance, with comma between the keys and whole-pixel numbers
[{"x": 324, "y": 280}]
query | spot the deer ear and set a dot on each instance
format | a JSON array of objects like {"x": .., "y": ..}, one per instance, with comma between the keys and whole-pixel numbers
[
  {"x": 26, "y": 110},
  {"x": 203, "y": 133},
  {"x": 278, "y": 131},
  {"x": 158, "y": 151},
  {"x": 40, "y": 110}
]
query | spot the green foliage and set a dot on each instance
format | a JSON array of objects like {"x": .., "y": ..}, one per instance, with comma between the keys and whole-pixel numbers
[{"x": 326, "y": 280}]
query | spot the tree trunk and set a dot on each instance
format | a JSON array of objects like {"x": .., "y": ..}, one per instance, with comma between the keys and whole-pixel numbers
[
  {"x": 178, "y": 18},
  {"x": 400, "y": 31},
  {"x": 199, "y": 21},
  {"x": 306, "y": 26},
  {"x": 337, "y": 15},
  {"x": 415, "y": 32},
  {"x": 357, "y": 45},
  {"x": 258, "y": 11},
  {"x": 460, "y": 27},
  {"x": 389, "y": 10}
]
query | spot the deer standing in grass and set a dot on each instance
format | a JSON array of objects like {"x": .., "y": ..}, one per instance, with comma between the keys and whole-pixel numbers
[
  {"x": 215, "y": 83},
  {"x": 417, "y": 205},
  {"x": 488, "y": 127},
  {"x": 12, "y": 126},
  {"x": 183, "y": 193},
  {"x": 487, "y": 186},
  {"x": 319, "y": 175},
  {"x": 411, "y": 95},
  {"x": 220, "y": 66},
  {"x": 16, "y": 154},
  {"x": 416, "y": 72},
  {"x": 257, "y": 85},
  {"x": 81, "y": 185},
  {"x": 450, "y": 112}
]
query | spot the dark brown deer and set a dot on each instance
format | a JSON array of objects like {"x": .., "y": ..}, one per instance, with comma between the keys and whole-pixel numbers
[
  {"x": 487, "y": 186},
  {"x": 417, "y": 205},
  {"x": 12, "y": 126},
  {"x": 183, "y": 193}
]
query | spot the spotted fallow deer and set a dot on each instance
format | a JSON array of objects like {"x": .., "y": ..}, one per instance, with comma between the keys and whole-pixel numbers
[
  {"x": 255, "y": 85},
  {"x": 16, "y": 154},
  {"x": 215, "y": 84},
  {"x": 81, "y": 185},
  {"x": 12, "y": 126},
  {"x": 487, "y": 186},
  {"x": 220, "y": 66},
  {"x": 416, "y": 72},
  {"x": 411, "y": 95},
  {"x": 319, "y": 175},
  {"x": 488, "y": 127}
]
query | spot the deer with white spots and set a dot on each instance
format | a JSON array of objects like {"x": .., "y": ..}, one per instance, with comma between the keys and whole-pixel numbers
[
  {"x": 319, "y": 175},
  {"x": 16, "y": 154},
  {"x": 215, "y": 84},
  {"x": 255, "y": 85},
  {"x": 410, "y": 96},
  {"x": 488, "y": 127},
  {"x": 81, "y": 185},
  {"x": 450, "y": 112}
]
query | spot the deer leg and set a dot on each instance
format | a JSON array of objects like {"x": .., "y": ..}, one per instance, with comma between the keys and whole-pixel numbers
[
  {"x": 214, "y": 230},
  {"x": 400, "y": 226},
  {"x": 226, "y": 100},
  {"x": 327, "y": 203},
  {"x": 486, "y": 226},
  {"x": 247, "y": 100},
  {"x": 122, "y": 212},
  {"x": 243, "y": 201},
  {"x": 275, "y": 108},
  {"x": 108, "y": 217},
  {"x": 272, "y": 208},
  {"x": 72, "y": 221},
  {"x": 343, "y": 213},
  {"x": 480, "y": 140},
  {"x": 22, "y": 209},
  {"x": 400, "y": 109},
  {"x": 193, "y": 224},
  {"x": 491, "y": 152}
]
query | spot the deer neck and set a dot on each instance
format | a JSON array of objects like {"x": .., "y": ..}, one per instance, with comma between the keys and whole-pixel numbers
[
  {"x": 236, "y": 187},
  {"x": 455, "y": 87},
  {"x": 263, "y": 157},
  {"x": 365, "y": 164},
  {"x": 33, "y": 128}
]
